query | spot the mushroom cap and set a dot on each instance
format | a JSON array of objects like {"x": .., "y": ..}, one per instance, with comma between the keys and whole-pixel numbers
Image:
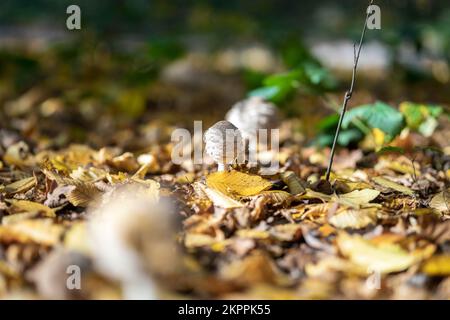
[
  {"x": 252, "y": 114},
  {"x": 223, "y": 142}
]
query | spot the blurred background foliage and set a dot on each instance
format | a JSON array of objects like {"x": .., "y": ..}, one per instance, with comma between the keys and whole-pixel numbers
[{"x": 137, "y": 61}]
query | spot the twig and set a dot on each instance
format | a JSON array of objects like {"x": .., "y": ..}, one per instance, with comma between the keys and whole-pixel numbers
[{"x": 348, "y": 94}]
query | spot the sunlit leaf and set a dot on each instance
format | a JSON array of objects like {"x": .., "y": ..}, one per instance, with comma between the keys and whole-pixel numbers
[
  {"x": 354, "y": 219},
  {"x": 42, "y": 231},
  {"x": 373, "y": 258},
  {"x": 237, "y": 184},
  {"x": 359, "y": 197}
]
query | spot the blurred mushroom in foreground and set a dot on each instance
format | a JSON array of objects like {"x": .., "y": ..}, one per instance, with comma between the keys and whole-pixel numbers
[
  {"x": 223, "y": 142},
  {"x": 133, "y": 241}
]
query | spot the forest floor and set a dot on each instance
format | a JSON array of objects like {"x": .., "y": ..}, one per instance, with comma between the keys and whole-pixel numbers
[{"x": 380, "y": 230}]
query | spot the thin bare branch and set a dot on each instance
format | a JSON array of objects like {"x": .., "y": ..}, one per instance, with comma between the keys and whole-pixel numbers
[{"x": 348, "y": 94}]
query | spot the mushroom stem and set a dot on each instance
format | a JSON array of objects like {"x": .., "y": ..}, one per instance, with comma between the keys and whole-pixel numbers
[{"x": 246, "y": 149}]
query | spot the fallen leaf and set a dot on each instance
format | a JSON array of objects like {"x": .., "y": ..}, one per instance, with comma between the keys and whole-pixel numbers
[
  {"x": 43, "y": 231},
  {"x": 195, "y": 240},
  {"x": 293, "y": 182},
  {"x": 32, "y": 207},
  {"x": 75, "y": 239},
  {"x": 357, "y": 198},
  {"x": 237, "y": 184},
  {"x": 441, "y": 201},
  {"x": 83, "y": 194},
  {"x": 256, "y": 268},
  {"x": 221, "y": 200},
  {"x": 354, "y": 219},
  {"x": 274, "y": 196},
  {"x": 384, "y": 258},
  {"x": 253, "y": 234},
  {"x": 437, "y": 266},
  {"x": 20, "y": 186},
  {"x": 393, "y": 185}
]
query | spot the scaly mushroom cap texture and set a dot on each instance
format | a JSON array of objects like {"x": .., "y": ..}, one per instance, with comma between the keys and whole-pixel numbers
[
  {"x": 223, "y": 142},
  {"x": 252, "y": 114}
]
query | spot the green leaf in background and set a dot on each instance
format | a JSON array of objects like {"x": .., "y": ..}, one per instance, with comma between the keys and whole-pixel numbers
[
  {"x": 378, "y": 115},
  {"x": 346, "y": 137},
  {"x": 329, "y": 123},
  {"x": 319, "y": 76},
  {"x": 279, "y": 87},
  {"x": 421, "y": 117},
  {"x": 327, "y": 128},
  {"x": 309, "y": 76},
  {"x": 427, "y": 127},
  {"x": 275, "y": 94},
  {"x": 390, "y": 150}
]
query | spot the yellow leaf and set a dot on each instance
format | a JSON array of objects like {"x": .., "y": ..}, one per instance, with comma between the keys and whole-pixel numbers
[
  {"x": 379, "y": 137},
  {"x": 310, "y": 194},
  {"x": 253, "y": 234},
  {"x": 194, "y": 240},
  {"x": 14, "y": 218},
  {"x": 355, "y": 219},
  {"x": 403, "y": 168},
  {"x": 76, "y": 238},
  {"x": 437, "y": 266},
  {"x": 358, "y": 197},
  {"x": 31, "y": 207},
  {"x": 384, "y": 258},
  {"x": 42, "y": 231},
  {"x": 393, "y": 185},
  {"x": 20, "y": 186},
  {"x": 237, "y": 184}
]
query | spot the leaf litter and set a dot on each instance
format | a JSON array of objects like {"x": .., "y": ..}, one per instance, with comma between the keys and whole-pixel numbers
[{"x": 237, "y": 231}]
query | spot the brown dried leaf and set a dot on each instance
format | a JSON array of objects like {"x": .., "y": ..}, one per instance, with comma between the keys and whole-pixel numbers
[
  {"x": 441, "y": 201},
  {"x": 83, "y": 194}
]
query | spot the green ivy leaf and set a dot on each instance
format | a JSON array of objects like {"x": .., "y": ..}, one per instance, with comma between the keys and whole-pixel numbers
[{"x": 378, "y": 115}]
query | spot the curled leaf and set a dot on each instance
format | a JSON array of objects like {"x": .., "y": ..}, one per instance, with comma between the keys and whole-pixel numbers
[
  {"x": 221, "y": 200},
  {"x": 293, "y": 182}
]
